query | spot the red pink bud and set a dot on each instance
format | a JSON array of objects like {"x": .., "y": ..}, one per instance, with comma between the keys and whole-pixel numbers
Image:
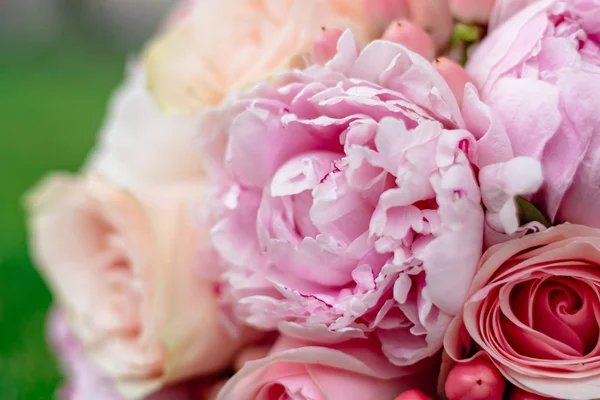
[
  {"x": 412, "y": 36},
  {"x": 455, "y": 75},
  {"x": 325, "y": 45},
  {"x": 435, "y": 18},
  {"x": 475, "y": 380},
  {"x": 412, "y": 395}
]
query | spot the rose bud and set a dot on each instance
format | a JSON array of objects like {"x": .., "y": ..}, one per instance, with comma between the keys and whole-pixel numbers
[
  {"x": 454, "y": 74},
  {"x": 412, "y": 36},
  {"x": 435, "y": 18},
  {"x": 325, "y": 44},
  {"x": 472, "y": 11},
  {"x": 379, "y": 13},
  {"x": 475, "y": 380},
  {"x": 412, "y": 395}
]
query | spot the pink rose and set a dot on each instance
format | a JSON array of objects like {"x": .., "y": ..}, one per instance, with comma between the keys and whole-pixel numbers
[
  {"x": 346, "y": 200},
  {"x": 301, "y": 371},
  {"x": 534, "y": 309},
  {"x": 540, "y": 72},
  {"x": 119, "y": 248}
]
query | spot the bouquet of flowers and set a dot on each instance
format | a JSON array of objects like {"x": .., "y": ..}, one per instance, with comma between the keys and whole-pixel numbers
[{"x": 338, "y": 199}]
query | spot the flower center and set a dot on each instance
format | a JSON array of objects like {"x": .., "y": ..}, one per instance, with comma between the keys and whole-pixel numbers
[{"x": 564, "y": 314}]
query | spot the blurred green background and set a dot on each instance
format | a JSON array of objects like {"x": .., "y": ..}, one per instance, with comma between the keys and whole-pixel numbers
[{"x": 56, "y": 76}]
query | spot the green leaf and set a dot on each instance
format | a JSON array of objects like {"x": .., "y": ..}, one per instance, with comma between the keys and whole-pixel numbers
[
  {"x": 467, "y": 33},
  {"x": 529, "y": 213}
]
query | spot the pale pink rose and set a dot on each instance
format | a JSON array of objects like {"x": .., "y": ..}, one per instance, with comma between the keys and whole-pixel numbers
[
  {"x": 139, "y": 146},
  {"x": 83, "y": 379},
  {"x": 122, "y": 252},
  {"x": 540, "y": 72},
  {"x": 347, "y": 204},
  {"x": 125, "y": 271},
  {"x": 534, "y": 310},
  {"x": 85, "y": 382},
  {"x": 224, "y": 46},
  {"x": 296, "y": 370}
]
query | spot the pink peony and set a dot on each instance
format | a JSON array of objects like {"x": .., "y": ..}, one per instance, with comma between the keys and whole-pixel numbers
[
  {"x": 346, "y": 202},
  {"x": 502, "y": 10},
  {"x": 540, "y": 72},
  {"x": 534, "y": 310},
  {"x": 296, "y": 370}
]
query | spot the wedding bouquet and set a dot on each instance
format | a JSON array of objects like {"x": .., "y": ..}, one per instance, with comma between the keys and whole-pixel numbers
[{"x": 313, "y": 199}]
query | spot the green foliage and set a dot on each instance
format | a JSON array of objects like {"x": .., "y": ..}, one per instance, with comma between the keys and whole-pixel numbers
[
  {"x": 529, "y": 213},
  {"x": 52, "y": 101}
]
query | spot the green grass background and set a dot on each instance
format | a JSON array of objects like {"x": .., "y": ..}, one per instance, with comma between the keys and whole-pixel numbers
[{"x": 52, "y": 101}]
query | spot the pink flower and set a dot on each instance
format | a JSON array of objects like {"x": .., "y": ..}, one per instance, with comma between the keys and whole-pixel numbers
[
  {"x": 454, "y": 74},
  {"x": 540, "y": 72},
  {"x": 124, "y": 258},
  {"x": 83, "y": 378},
  {"x": 86, "y": 382},
  {"x": 475, "y": 380},
  {"x": 504, "y": 9},
  {"x": 433, "y": 16},
  {"x": 411, "y": 36},
  {"x": 348, "y": 207},
  {"x": 302, "y": 371},
  {"x": 534, "y": 310},
  {"x": 412, "y": 395}
]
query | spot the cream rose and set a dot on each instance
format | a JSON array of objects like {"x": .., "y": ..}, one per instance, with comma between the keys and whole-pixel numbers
[
  {"x": 224, "y": 46},
  {"x": 119, "y": 248}
]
